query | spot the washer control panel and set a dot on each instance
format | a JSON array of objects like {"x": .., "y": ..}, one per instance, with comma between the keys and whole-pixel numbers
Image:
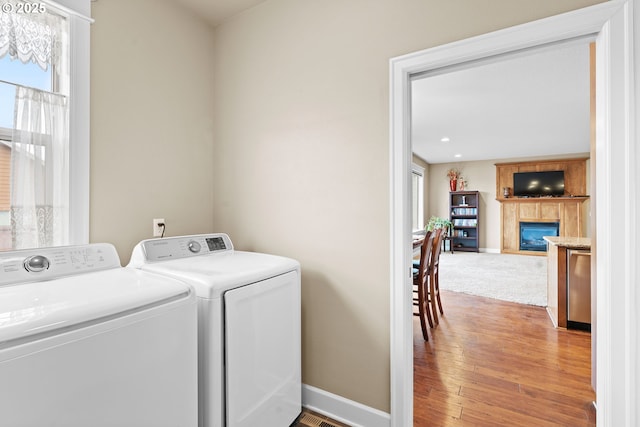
[
  {"x": 36, "y": 263},
  {"x": 31, "y": 265},
  {"x": 167, "y": 248},
  {"x": 194, "y": 246}
]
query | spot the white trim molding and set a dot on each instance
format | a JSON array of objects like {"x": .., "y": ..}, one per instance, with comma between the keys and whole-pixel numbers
[
  {"x": 490, "y": 250},
  {"x": 617, "y": 202},
  {"x": 78, "y": 14},
  {"x": 418, "y": 170},
  {"x": 78, "y": 8},
  {"x": 614, "y": 25},
  {"x": 79, "y": 131},
  {"x": 341, "y": 409}
]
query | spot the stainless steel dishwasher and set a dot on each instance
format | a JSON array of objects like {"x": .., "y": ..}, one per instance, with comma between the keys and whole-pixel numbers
[{"x": 579, "y": 289}]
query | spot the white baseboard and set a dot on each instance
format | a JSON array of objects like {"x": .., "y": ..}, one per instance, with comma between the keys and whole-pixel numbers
[
  {"x": 490, "y": 250},
  {"x": 344, "y": 410}
]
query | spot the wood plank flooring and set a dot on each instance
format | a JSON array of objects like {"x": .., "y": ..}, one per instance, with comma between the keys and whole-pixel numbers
[{"x": 495, "y": 363}]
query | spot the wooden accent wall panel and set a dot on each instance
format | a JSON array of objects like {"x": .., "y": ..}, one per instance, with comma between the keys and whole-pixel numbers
[
  {"x": 550, "y": 210},
  {"x": 504, "y": 178},
  {"x": 575, "y": 174},
  {"x": 529, "y": 210},
  {"x": 571, "y": 221},
  {"x": 565, "y": 210},
  {"x": 510, "y": 231}
]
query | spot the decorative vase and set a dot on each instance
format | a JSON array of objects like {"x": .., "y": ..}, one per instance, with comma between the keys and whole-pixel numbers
[{"x": 452, "y": 184}]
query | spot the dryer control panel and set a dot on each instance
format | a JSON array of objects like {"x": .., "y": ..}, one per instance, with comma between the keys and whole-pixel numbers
[
  {"x": 168, "y": 248},
  {"x": 31, "y": 265}
]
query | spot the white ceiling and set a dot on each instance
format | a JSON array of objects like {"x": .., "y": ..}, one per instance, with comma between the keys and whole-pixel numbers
[
  {"x": 535, "y": 104},
  {"x": 216, "y": 11}
]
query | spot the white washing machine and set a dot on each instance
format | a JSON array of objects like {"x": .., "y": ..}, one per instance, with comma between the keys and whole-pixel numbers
[
  {"x": 86, "y": 342},
  {"x": 248, "y": 327}
]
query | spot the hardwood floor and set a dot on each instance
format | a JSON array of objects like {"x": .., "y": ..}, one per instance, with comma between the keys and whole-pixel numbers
[{"x": 495, "y": 363}]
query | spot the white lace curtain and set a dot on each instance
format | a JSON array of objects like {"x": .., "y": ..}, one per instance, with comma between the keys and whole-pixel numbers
[
  {"x": 34, "y": 37},
  {"x": 39, "y": 170},
  {"x": 39, "y": 207}
]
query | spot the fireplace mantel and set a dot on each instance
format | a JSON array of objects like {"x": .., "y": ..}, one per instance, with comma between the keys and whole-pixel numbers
[{"x": 569, "y": 211}]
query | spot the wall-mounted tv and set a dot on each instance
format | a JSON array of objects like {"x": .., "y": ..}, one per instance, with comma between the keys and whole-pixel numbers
[{"x": 538, "y": 184}]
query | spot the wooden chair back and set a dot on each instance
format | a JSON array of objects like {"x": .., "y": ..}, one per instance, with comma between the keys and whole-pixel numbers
[
  {"x": 421, "y": 283},
  {"x": 434, "y": 276}
]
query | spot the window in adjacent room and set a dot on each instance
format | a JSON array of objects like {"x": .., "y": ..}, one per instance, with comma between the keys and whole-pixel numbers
[{"x": 417, "y": 197}]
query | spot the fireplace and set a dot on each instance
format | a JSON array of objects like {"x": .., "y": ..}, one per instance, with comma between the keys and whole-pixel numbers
[{"x": 532, "y": 233}]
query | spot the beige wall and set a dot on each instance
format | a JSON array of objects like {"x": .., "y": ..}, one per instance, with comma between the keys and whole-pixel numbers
[
  {"x": 480, "y": 176},
  {"x": 151, "y": 122},
  {"x": 301, "y": 98},
  {"x": 273, "y": 128}
]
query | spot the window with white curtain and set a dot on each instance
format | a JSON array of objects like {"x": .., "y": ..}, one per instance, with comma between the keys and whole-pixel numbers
[
  {"x": 417, "y": 197},
  {"x": 34, "y": 126}
]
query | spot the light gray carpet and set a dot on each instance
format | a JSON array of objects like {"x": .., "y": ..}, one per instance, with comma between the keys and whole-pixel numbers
[{"x": 516, "y": 278}]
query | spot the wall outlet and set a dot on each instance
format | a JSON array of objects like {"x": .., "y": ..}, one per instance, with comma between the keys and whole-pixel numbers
[{"x": 158, "y": 230}]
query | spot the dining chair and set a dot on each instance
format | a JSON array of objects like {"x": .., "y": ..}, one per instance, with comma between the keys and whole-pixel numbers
[
  {"x": 434, "y": 276},
  {"x": 420, "y": 284}
]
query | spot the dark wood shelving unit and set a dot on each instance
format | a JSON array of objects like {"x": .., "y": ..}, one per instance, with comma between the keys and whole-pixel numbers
[{"x": 464, "y": 213}]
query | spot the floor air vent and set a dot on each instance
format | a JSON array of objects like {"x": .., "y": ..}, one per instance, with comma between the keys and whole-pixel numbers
[{"x": 313, "y": 421}]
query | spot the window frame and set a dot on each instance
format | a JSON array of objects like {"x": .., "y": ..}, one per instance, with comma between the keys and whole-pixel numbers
[
  {"x": 418, "y": 171},
  {"x": 78, "y": 13}
]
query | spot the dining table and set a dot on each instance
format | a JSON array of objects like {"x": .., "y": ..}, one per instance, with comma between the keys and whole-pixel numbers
[{"x": 417, "y": 241}]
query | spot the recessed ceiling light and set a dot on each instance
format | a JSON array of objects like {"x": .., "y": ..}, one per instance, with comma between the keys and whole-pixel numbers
[
  {"x": 457, "y": 155},
  {"x": 445, "y": 139}
]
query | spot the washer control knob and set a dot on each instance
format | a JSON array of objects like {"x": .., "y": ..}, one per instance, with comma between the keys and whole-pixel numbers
[
  {"x": 36, "y": 263},
  {"x": 194, "y": 246}
]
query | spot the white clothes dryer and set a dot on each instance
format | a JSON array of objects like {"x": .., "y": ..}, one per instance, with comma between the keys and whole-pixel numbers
[
  {"x": 248, "y": 327},
  {"x": 87, "y": 342}
]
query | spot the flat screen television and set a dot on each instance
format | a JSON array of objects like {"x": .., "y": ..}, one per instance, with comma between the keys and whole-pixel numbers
[{"x": 538, "y": 184}]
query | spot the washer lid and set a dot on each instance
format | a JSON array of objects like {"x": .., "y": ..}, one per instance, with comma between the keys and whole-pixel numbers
[
  {"x": 212, "y": 274},
  {"x": 33, "y": 310}
]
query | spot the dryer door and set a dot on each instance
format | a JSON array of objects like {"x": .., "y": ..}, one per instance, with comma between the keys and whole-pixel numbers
[{"x": 263, "y": 353}]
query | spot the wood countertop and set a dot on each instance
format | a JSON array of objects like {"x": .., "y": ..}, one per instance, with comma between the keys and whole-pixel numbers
[{"x": 569, "y": 242}]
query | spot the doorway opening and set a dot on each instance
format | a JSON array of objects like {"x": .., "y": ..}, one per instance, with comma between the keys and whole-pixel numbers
[
  {"x": 613, "y": 25},
  {"x": 499, "y": 110}
]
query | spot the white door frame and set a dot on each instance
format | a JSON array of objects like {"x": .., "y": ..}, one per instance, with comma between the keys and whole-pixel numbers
[{"x": 617, "y": 204}]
